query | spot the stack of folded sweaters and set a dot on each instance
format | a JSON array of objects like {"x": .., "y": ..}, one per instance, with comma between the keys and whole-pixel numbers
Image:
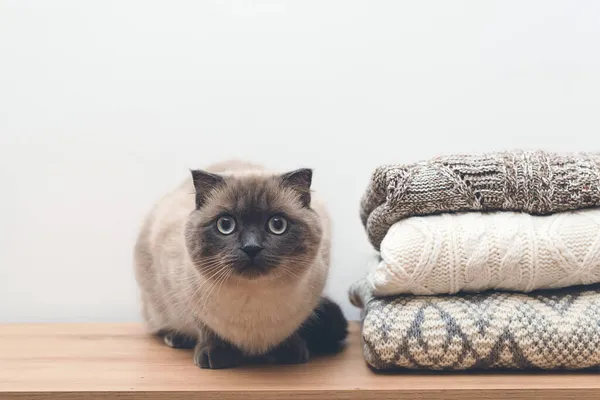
[{"x": 486, "y": 261}]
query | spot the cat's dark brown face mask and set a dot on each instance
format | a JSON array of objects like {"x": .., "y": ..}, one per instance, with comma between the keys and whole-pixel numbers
[{"x": 253, "y": 226}]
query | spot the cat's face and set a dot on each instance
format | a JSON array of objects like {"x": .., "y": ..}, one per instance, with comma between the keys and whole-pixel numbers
[{"x": 253, "y": 226}]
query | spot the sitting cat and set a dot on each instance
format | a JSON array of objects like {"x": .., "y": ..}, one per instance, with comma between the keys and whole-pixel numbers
[{"x": 233, "y": 262}]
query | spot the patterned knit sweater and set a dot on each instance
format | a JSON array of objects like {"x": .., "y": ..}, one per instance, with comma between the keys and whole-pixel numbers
[
  {"x": 474, "y": 252},
  {"x": 556, "y": 329},
  {"x": 533, "y": 182}
]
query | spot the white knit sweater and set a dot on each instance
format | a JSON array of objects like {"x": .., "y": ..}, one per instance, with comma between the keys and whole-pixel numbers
[{"x": 476, "y": 251}]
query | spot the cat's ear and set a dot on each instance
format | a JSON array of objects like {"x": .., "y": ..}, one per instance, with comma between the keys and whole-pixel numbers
[
  {"x": 300, "y": 181},
  {"x": 205, "y": 183}
]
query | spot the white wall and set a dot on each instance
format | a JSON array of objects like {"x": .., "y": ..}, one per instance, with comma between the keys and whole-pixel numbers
[{"x": 104, "y": 105}]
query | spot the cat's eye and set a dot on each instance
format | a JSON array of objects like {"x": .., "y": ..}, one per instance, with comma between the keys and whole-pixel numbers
[
  {"x": 277, "y": 225},
  {"x": 226, "y": 224}
]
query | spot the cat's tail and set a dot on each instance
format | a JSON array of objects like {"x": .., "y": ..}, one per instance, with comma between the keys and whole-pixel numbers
[{"x": 326, "y": 330}]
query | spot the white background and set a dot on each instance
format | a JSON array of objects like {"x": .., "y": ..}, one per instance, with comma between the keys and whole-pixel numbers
[{"x": 104, "y": 105}]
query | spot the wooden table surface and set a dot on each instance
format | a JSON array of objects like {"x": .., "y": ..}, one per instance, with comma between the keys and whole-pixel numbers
[{"x": 99, "y": 361}]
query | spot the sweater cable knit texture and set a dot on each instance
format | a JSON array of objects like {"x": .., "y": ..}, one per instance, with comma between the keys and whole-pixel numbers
[
  {"x": 474, "y": 252},
  {"x": 535, "y": 182}
]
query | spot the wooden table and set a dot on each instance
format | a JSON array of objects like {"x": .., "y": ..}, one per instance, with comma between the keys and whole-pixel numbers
[{"x": 119, "y": 361}]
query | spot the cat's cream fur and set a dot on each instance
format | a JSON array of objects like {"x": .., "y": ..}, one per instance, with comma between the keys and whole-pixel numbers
[{"x": 255, "y": 315}]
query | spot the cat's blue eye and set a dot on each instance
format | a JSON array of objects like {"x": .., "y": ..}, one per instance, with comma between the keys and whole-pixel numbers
[
  {"x": 277, "y": 225},
  {"x": 226, "y": 224}
]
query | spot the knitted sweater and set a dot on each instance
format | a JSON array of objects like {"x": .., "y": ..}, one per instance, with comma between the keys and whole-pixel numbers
[
  {"x": 556, "y": 329},
  {"x": 474, "y": 252},
  {"x": 533, "y": 182}
]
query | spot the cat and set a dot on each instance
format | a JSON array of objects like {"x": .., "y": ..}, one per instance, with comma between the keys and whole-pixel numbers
[{"x": 233, "y": 262}]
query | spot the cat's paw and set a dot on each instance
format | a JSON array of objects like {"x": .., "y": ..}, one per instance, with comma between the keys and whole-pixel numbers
[
  {"x": 292, "y": 351},
  {"x": 179, "y": 341},
  {"x": 216, "y": 356}
]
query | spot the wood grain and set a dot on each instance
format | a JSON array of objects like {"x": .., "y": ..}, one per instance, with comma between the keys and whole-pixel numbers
[{"x": 120, "y": 361}]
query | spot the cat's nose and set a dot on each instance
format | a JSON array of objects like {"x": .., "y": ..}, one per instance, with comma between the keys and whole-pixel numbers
[{"x": 251, "y": 250}]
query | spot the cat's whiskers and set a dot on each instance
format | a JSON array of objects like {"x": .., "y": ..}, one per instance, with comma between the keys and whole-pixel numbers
[
  {"x": 178, "y": 279},
  {"x": 223, "y": 281},
  {"x": 216, "y": 271},
  {"x": 285, "y": 271},
  {"x": 285, "y": 262},
  {"x": 210, "y": 263},
  {"x": 171, "y": 294},
  {"x": 203, "y": 301},
  {"x": 215, "y": 268},
  {"x": 290, "y": 272},
  {"x": 198, "y": 290},
  {"x": 215, "y": 264}
]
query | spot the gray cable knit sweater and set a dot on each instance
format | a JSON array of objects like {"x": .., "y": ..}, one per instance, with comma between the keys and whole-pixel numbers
[{"x": 535, "y": 182}]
